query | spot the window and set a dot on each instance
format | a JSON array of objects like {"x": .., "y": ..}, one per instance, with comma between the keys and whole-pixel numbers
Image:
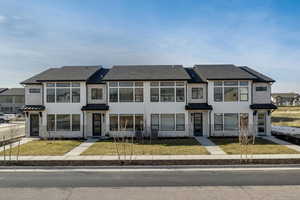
[
  {"x": 197, "y": 93},
  {"x": 62, "y": 95},
  {"x": 180, "y": 122},
  {"x": 76, "y": 95},
  {"x": 50, "y": 95},
  {"x": 155, "y": 122},
  {"x": 231, "y": 121},
  {"x": 154, "y": 93},
  {"x": 126, "y": 94},
  {"x": 243, "y": 94},
  {"x": 139, "y": 95},
  {"x": 230, "y": 94},
  {"x": 19, "y": 99},
  {"x": 179, "y": 94},
  {"x": 126, "y": 122},
  {"x": 167, "y": 122},
  {"x": 218, "y": 94},
  {"x": 261, "y": 89},
  {"x": 34, "y": 90},
  {"x": 218, "y": 126},
  {"x": 6, "y": 99},
  {"x": 139, "y": 122},
  {"x": 75, "y": 122},
  {"x": 167, "y": 94},
  {"x": 50, "y": 122},
  {"x": 63, "y": 123},
  {"x": 97, "y": 93},
  {"x": 113, "y": 94},
  {"x": 113, "y": 123}
]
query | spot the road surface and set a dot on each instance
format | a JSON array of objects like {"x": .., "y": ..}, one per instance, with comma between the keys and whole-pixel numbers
[{"x": 153, "y": 184}]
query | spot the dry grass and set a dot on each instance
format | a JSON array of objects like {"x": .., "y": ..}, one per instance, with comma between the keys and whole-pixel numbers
[
  {"x": 261, "y": 146},
  {"x": 286, "y": 116},
  {"x": 45, "y": 148},
  {"x": 158, "y": 147}
]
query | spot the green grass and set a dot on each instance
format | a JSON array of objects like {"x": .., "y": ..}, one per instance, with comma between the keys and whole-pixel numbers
[
  {"x": 286, "y": 116},
  {"x": 158, "y": 147},
  {"x": 45, "y": 148},
  {"x": 261, "y": 146}
]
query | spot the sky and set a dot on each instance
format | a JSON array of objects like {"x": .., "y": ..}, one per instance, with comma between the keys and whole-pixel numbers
[{"x": 264, "y": 35}]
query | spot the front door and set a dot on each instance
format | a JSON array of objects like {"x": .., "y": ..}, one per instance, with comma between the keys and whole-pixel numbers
[
  {"x": 261, "y": 124},
  {"x": 34, "y": 125},
  {"x": 96, "y": 124},
  {"x": 198, "y": 126}
]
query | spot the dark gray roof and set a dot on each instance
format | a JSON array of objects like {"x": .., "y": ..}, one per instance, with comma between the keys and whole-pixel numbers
[
  {"x": 222, "y": 72},
  {"x": 147, "y": 72},
  {"x": 194, "y": 76},
  {"x": 95, "y": 107},
  {"x": 13, "y": 92},
  {"x": 198, "y": 106},
  {"x": 3, "y": 89},
  {"x": 67, "y": 73},
  {"x": 33, "y": 108},
  {"x": 267, "y": 106},
  {"x": 97, "y": 78},
  {"x": 260, "y": 77}
]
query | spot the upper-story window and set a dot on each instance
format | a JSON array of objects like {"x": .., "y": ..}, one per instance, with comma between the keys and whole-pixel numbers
[
  {"x": 97, "y": 93},
  {"x": 261, "y": 89},
  {"x": 126, "y": 91},
  {"x": 34, "y": 90},
  {"x": 63, "y": 92},
  {"x": 231, "y": 91},
  {"x": 197, "y": 93},
  {"x": 167, "y": 91}
]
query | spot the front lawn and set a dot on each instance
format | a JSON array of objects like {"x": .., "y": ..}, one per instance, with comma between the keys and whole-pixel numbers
[
  {"x": 157, "y": 147},
  {"x": 261, "y": 146},
  {"x": 45, "y": 148}
]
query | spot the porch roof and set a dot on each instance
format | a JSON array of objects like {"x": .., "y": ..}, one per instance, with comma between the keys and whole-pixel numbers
[
  {"x": 33, "y": 108},
  {"x": 198, "y": 106},
  {"x": 95, "y": 107},
  {"x": 267, "y": 106}
]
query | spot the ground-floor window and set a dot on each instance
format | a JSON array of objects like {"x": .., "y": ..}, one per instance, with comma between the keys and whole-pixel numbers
[
  {"x": 168, "y": 122},
  {"x": 63, "y": 122},
  {"x": 230, "y": 121},
  {"x": 126, "y": 122}
]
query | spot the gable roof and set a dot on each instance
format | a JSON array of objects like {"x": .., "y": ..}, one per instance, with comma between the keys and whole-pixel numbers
[
  {"x": 222, "y": 72},
  {"x": 194, "y": 76},
  {"x": 3, "y": 89},
  {"x": 260, "y": 77},
  {"x": 13, "y": 92},
  {"x": 66, "y": 73},
  {"x": 97, "y": 78},
  {"x": 146, "y": 72}
]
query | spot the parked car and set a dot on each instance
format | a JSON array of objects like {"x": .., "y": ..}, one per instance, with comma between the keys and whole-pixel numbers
[{"x": 3, "y": 118}]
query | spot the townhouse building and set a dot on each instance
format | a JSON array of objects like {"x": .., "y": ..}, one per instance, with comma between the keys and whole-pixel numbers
[
  {"x": 151, "y": 100},
  {"x": 12, "y": 100}
]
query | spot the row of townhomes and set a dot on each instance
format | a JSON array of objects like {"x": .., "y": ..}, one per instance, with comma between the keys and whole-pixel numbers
[
  {"x": 12, "y": 100},
  {"x": 160, "y": 100}
]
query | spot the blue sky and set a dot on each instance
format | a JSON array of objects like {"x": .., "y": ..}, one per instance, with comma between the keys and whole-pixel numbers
[{"x": 264, "y": 35}]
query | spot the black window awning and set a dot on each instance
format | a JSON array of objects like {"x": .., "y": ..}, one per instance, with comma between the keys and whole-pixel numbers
[
  {"x": 198, "y": 106},
  {"x": 95, "y": 107},
  {"x": 33, "y": 108},
  {"x": 267, "y": 106}
]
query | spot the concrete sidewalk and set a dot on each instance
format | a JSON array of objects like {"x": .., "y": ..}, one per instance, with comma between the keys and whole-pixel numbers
[
  {"x": 82, "y": 147},
  {"x": 211, "y": 147},
  {"x": 283, "y": 143}
]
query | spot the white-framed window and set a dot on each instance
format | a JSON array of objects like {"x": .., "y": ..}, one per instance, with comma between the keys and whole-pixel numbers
[
  {"x": 126, "y": 91},
  {"x": 167, "y": 91},
  {"x": 126, "y": 122},
  {"x": 96, "y": 93},
  {"x": 63, "y": 92},
  {"x": 63, "y": 122},
  {"x": 230, "y": 121},
  {"x": 168, "y": 122},
  {"x": 197, "y": 93},
  {"x": 231, "y": 91},
  {"x": 261, "y": 88},
  {"x": 34, "y": 90}
]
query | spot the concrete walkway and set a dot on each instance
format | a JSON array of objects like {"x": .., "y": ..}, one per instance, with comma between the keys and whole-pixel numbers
[
  {"x": 211, "y": 147},
  {"x": 82, "y": 147},
  {"x": 23, "y": 141},
  {"x": 281, "y": 142}
]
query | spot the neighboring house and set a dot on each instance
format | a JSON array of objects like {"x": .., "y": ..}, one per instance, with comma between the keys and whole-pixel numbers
[
  {"x": 286, "y": 99},
  {"x": 12, "y": 100},
  {"x": 163, "y": 100}
]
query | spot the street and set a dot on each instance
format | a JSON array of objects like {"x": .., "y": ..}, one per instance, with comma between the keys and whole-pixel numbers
[
  {"x": 171, "y": 183},
  {"x": 12, "y": 131}
]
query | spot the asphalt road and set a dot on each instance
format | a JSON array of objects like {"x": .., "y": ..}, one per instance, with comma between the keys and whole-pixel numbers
[{"x": 149, "y": 179}]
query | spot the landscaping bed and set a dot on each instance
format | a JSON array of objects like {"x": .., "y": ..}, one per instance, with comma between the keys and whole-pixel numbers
[
  {"x": 44, "y": 148},
  {"x": 182, "y": 146},
  {"x": 261, "y": 146}
]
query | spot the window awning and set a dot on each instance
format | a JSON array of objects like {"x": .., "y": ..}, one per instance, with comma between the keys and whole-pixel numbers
[
  {"x": 198, "y": 106},
  {"x": 33, "y": 108},
  {"x": 95, "y": 107},
  {"x": 267, "y": 106}
]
